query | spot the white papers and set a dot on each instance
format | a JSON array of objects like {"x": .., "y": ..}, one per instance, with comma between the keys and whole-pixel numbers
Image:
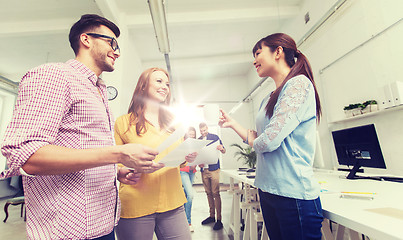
[
  {"x": 179, "y": 132},
  {"x": 207, "y": 155},
  {"x": 171, "y": 139},
  {"x": 177, "y": 156}
]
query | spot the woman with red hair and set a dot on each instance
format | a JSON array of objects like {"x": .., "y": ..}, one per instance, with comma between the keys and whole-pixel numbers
[{"x": 151, "y": 202}]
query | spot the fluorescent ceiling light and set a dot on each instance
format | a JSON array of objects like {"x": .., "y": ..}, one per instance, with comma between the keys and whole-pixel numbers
[
  {"x": 247, "y": 98},
  {"x": 157, "y": 11},
  {"x": 235, "y": 108}
]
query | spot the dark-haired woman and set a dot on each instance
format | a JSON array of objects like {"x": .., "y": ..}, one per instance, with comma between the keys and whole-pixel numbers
[
  {"x": 154, "y": 201},
  {"x": 285, "y": 141}
]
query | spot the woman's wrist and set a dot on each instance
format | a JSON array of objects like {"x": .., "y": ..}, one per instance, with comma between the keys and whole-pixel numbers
[
  {"x": 252, "y": 135},
  {"x": 246, "y": 139}
]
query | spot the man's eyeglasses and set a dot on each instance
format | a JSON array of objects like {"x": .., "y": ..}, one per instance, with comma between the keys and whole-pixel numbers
[{"x": 113, "y": 42}]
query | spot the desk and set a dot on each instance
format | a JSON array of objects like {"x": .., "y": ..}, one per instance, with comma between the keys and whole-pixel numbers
[
  {"x": 357, "y": 214},
  {"x": 380, "y": 218},
  {"x": 250, "y": 203}
]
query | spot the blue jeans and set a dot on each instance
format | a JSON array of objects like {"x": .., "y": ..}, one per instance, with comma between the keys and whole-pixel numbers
[
  {"x": 187, "y": 182},
  {"x": 291, "y": 219}
]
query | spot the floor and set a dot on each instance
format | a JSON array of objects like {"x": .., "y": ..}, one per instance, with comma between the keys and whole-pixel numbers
[
  {"x": 200, "y": 211},
  {"x": 14, "y": 228}
]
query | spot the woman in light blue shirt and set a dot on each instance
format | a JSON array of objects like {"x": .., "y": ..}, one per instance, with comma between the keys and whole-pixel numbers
[{"x": 285, "y": 141}]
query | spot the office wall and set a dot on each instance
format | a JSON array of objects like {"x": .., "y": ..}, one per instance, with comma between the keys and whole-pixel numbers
[
  {"x": 352, "y": 63},
  {"x": 127, "y": 72}
]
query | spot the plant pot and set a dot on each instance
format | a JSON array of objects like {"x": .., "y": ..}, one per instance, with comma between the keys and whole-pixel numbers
[
  {"x": 348, "y": 113},
  {"x": 373, "y": 107},
  {"x": 367, "y": 109},
  {"x": 356, "y": 111}
]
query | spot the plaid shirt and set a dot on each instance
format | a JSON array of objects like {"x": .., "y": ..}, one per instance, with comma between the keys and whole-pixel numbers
[{"x": 62, "y": 104}]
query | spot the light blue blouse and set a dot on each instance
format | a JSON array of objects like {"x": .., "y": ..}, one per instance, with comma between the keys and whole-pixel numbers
[{"x": 285, "y": 146}]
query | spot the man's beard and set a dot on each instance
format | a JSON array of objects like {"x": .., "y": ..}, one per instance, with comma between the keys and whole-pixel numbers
[{"x": 101, "y": 60}]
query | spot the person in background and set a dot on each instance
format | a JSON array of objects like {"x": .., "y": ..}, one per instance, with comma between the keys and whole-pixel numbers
[
  {"x": 285, "y": 141},
  {"x": 60, "y": 139},
  {"x": 155, "y": 201},
  {"x": 187, "y": 176},
  {"x": 211, "y": 181}
]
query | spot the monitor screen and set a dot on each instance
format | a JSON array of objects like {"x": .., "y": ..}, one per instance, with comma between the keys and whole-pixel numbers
[{"x": 358, "y": 147}]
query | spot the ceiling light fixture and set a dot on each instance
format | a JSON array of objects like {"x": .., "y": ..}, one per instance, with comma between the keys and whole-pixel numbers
[
  {"x": 157, "y": 10},
  {"x": 247, "y": 98}
]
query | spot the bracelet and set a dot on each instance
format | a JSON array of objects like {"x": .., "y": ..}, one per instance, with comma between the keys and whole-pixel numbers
[{"x": 246, "y": 140}]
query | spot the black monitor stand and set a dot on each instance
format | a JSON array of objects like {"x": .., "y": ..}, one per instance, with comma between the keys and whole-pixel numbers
[{"x": 352, "y": 175}]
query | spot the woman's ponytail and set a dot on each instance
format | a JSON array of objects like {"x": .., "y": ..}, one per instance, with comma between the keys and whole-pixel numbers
[{"x": 298, "y": 67}]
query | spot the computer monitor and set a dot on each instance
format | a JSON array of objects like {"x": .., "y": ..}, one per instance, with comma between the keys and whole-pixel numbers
[{"x": 358, "y": 147}]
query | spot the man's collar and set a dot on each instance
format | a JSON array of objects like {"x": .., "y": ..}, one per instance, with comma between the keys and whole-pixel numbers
[{"x": 84, "y": 70}]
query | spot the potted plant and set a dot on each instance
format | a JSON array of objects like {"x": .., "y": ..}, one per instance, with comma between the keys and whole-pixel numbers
[
  {"x": 247, "y": 154},
  {"x": 353, "y": 109},
  {"x": 370, "y": 106}
]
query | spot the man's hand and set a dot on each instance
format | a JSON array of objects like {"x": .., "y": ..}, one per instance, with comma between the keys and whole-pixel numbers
[
  {"x": 139, "y": 157},
  {"x": 221, "y": 148},
  {"x": 128, "y": 176}
]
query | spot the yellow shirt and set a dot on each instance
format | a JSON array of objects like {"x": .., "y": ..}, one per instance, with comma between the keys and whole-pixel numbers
[{"x": 156, "y": 192}]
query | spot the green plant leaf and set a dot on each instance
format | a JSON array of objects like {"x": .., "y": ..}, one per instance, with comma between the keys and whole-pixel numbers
[{"x": 246, "y": 154}]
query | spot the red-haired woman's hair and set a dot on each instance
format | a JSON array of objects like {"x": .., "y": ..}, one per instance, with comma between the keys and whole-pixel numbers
[
  {"x": 137, "y": 104},
  {"x": 301, "y": 66}
]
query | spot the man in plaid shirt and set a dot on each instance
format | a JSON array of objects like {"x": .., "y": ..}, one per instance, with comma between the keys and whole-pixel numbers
[{"x": 61, "y": 140}]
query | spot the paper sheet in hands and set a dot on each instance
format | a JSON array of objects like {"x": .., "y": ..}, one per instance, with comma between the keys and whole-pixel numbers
[
  {"x": 177, "y": 156},
  {"x": 207, "y": 155}
]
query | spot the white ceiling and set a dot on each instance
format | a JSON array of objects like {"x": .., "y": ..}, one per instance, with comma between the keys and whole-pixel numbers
[{"x": 208, "y": 38}]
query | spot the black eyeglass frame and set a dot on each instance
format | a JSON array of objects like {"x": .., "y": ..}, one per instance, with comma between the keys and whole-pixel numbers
[{"x": 113, "y": 40}]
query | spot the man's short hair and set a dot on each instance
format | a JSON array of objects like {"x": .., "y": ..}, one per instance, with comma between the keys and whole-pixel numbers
[
  {"x": 202, "y": 124},
  {"x": 87, "y": 23}
]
